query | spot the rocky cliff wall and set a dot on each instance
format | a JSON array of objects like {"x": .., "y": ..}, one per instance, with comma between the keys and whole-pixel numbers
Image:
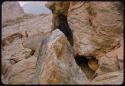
[
  {"x": 11, "y": 10},
  {"x": 35, "y": 53}
]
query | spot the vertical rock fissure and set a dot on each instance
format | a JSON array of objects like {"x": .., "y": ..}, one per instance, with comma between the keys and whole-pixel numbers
[
  {"x": 64, "y": 27},
  {"x": 59, "y": 20}
]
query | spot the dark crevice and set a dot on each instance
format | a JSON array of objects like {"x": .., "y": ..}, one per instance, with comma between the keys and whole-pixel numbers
[
  {"x": 64, "y": 27},
  {"x": 82, "y": 62},
  {"x": 32, "y": 52},
  {"x": 82, "y": 59}
]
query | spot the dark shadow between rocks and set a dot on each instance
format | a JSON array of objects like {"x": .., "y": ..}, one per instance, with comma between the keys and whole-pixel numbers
[
  {"x": 82, "y": 62},
  {"x": 64, "y": 27}
]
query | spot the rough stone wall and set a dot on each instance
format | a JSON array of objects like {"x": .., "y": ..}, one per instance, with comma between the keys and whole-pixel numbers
[
  {"x": 97, "y": 27},
  {"x": 97, "y": 32},
  {"x": 11, "y": 10}
]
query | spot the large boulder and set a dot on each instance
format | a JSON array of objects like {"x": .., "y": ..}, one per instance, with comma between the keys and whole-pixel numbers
[
  {"x": 96, "y": 26},
  {"x": 56, "y": 63}
]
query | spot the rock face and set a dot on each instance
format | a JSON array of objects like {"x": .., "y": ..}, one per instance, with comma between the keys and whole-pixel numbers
[
  {"x": 18, "y": 62},
  {"x": 11, "y": 11},
  {"x": 58, "y": 8},
  {"x": 5, "y": 70},
  {"x": 108, "y": 63},
  {"x": 90, "y": 31},
  {"x": 34, "y": 41},
  {"x": 59, "y": 19},
  {"x": 96, "y": 26},
  {"x": 30, "y": 26},
  {"x": 56, "y": 64},
  {"x": 20, "y": 72},
  {"x": 23, "y": 71},
  {"x": 109, "y": 78}
]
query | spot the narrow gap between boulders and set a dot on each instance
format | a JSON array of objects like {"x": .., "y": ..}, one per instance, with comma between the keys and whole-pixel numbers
[
  {"x": 64, "y": 27},
  {"x": 82, "y": 62}
]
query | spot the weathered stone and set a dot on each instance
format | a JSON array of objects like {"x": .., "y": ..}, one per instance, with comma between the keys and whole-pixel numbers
[
  {"x": 6, "y": 67},
  {"x": 96, "y": 26},
  {"x": 30, "y": 26},
  {"x": 119, "y": 53},
  {"x": 108, "y": 63},
  {"x": 16, "y": 54},
  {"x": 56, "y": 64},
  {"x": 109, "y": 78},
  {"x": 22, "y": 72},
  {"x": 58, "y": 8},
  {"x": 34, "y": 41},
  {"x": 97, "y": 32},
  {"x": 8, "y": 40},
  {"x": 15, "y": 51},
  {"x": 93, "y": 64},
  {"x": 11, "y": 11}
]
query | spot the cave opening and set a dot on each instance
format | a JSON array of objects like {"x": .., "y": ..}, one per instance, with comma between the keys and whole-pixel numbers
[
  {"x": 64, "y": 27},
  {"x": 82, "y": 62}
]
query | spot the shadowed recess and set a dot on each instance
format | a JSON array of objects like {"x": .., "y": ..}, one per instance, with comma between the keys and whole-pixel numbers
[
  {"x": 64, "y": 27},
  {"x": 82, "y": 62}
]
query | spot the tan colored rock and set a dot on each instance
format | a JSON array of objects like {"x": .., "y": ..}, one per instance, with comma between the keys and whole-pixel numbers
[
  {"x": 56, "y": 64},
  {"x": 119, "y": 53},
  {"x": 30, "y": 26},
  {"x": 8, "y": 40},
  {"x": 96, "y": 26},
  {"x": 15, "y": 51},
  {"x": 109, "y": 78},
  {"x": 11, "y": 11},
  {"x": 97, "y": 29},
  {"x": 108, "y": 63},
  {"x": 16, "y": 54},
  {"x": 34, "y": 41},
  {"x": 6, "y": 68},
  {"x": 93, "y": 64},
  {"x": 22, "y": 72},
  {"x": 58, "y": 8}
]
